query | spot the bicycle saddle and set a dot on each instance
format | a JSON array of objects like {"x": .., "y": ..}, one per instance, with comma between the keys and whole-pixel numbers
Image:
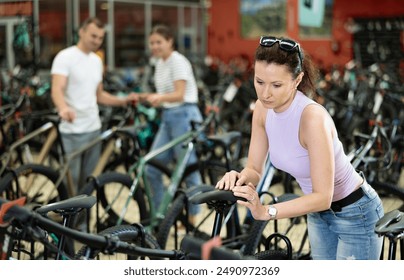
[
  {"x": 52, "y": 117},
  {"x": 215, "y": 196},
  {"x": 392, "y": 222},
  {"x": 227, "y": 138},
  {"x": 131, "y": 130},
  {"x": 74, "y": 204}
]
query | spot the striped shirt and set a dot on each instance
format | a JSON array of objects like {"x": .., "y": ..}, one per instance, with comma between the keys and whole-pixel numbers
[{"x": 174, "y": 68}]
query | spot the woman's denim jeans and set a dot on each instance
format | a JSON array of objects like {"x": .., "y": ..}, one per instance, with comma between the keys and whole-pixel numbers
[
  {"x": 174, "y": 122},
  {"x": 348, "y": 234}
]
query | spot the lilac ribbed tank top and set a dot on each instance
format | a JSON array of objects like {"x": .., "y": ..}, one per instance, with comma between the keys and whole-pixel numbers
[{"x": 287, "y": 154}]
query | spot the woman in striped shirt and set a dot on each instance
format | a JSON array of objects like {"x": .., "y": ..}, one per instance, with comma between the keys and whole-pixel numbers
[{"x": 177, "y": 96}]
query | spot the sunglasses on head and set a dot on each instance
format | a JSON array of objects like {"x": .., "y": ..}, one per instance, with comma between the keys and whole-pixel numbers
[{"x": 284, "y": 44}]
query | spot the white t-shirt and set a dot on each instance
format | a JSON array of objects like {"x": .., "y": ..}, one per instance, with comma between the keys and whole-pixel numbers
[
  {"x": 176, "y": 67},
  {"x": 84, "y": 73}
]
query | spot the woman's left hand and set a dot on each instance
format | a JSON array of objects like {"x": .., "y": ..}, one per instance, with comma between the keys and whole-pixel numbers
[
  {"x": 252, "y": 200},
  {"x": 132, "y": 98}
]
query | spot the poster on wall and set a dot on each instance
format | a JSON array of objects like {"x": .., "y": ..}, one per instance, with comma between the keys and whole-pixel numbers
[
  {"x": 311, "y": 13},
  {"x": 315, "y": 18},
  {"x": 262, "y": 17}
]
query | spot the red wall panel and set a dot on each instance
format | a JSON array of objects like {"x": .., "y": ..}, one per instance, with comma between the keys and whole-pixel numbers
[{"x": 225, "y": 42}]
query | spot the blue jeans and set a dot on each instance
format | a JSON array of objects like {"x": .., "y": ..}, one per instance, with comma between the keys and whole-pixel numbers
[
  {"x": 82, "y": 166},
  {"x": 174, "y": 122},
  {"x": 348, "y": 234}
]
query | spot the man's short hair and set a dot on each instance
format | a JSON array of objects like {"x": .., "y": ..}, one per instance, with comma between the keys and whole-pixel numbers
[{"x": 91, "y": 20}]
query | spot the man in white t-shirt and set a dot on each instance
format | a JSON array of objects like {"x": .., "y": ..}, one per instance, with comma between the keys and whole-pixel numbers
[{"x": 77, "y": 89}]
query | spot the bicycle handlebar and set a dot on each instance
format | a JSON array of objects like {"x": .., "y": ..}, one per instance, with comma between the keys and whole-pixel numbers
[
  {"x": 13, "y": 211},
  {"x": 378, "y": 130},
  {"x": 12, "y": 107}
]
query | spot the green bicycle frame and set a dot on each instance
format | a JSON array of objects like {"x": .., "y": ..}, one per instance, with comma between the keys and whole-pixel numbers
[{"x": 139, "y": 170}]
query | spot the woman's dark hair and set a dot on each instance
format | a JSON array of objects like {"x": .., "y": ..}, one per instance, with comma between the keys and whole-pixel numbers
[
  {"x": 164, "y": 31},
  {"x": 291, "y": 60},
  {"x": 91, "y": 20}
]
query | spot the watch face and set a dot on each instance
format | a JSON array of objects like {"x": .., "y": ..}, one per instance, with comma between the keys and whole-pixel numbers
[{"x": 272, "y": 211}]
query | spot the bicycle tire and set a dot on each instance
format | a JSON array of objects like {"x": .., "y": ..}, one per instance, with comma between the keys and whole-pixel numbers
[
  {"x": 124, "y": 157},
  {"x": 40, "y": 184},
  {"x": 291, "y": 228},
  {"x": 111, "y": 185},
  {"x": 272, "y": 255},
  {"x": 276, "y": 253},
  {"x": 24, "y": 247},
  {"x": 255, "y": 237},
  {"x": 126, "y": 233}
]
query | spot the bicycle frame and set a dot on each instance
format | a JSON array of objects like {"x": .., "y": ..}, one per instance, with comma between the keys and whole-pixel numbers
[
  {"x": 138, "y": 169},
  {"x": 175, "y": 180},
  {"x": 358, "y": 155},
  {"x": 106, "y": 153},
  {"x": 49, "y": 126}
]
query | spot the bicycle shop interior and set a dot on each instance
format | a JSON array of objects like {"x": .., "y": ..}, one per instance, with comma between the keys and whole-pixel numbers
[{"x": 357, "y": 45}]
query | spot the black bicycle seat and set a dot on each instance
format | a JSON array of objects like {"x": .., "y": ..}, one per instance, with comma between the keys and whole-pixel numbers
[
  {"x": 131, "y": 130},
  {"x": 74, "y": 204},
  {"x": 391, "y": 222},
  {"x": 215, "y": 196},
  {"x": 226, "y": 139}
]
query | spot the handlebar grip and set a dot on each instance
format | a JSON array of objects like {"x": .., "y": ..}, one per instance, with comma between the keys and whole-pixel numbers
[{"x": 8, "y": 209}]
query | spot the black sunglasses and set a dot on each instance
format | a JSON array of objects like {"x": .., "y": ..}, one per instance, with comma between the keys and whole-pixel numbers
[{"x": 284, "y": 44}]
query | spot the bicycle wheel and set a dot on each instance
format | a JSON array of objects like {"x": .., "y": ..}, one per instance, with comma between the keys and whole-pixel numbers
[
  {"x": 275, "y": 253},
  {"x": 36, "y": 182},
  {"x": 294, "y": 229},
  {"x": 125, "y": 153},
  {"x": 113, "y": 191},
  {"x": 126, "y": 233},
  {"x": 23, "y": 247}
]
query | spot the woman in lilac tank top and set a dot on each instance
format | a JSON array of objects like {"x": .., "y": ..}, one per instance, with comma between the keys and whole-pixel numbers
[{"x": 301, "y": 139}]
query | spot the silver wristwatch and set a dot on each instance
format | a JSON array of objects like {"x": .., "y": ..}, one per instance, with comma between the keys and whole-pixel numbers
[{"x": 272, "y": 211}]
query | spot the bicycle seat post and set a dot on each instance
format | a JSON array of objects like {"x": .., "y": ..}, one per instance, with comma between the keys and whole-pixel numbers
[
  {"x": 66, "y": 222},
  {"x": 220, "y": 207},
  {"x": 220, "y": 200}
]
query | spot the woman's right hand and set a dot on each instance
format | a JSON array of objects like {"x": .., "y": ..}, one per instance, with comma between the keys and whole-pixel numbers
[
  {"x": 154, "y": 99},
  {"x": 230, "y": 180}
]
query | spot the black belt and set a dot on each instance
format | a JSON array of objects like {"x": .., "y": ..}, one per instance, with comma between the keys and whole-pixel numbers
[{"x": 336, "y": 206}]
